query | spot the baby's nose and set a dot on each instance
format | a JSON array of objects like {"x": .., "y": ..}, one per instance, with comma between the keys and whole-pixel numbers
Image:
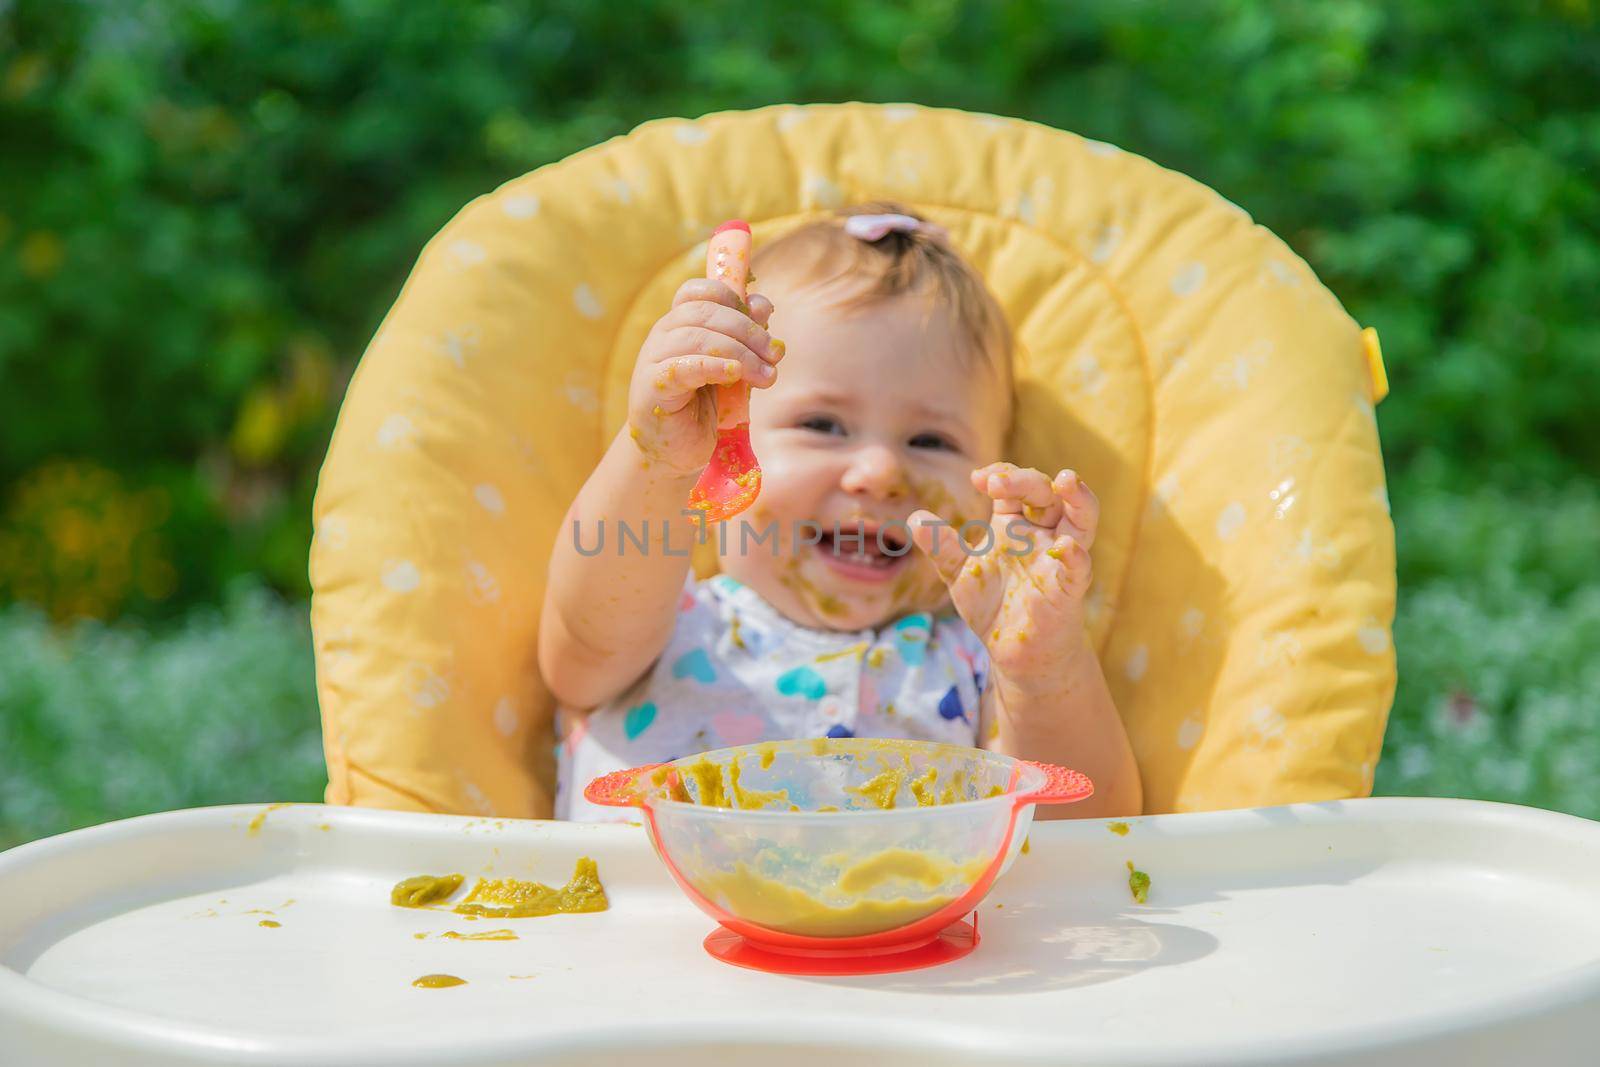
[{"x": 877, "y": 472}]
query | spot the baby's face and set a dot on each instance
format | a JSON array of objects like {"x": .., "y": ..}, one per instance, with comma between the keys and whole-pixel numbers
[{"x": 875, "y": 414}]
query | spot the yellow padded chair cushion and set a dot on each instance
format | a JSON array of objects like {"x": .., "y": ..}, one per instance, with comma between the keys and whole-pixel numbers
[{"x": 1211, "y": 391}]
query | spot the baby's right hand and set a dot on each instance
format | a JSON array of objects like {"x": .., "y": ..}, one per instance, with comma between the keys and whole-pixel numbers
[{"x": 709, "y": 338}]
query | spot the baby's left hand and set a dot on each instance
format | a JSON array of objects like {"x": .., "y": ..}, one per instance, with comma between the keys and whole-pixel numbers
[{"x": 1027, "y": 607}]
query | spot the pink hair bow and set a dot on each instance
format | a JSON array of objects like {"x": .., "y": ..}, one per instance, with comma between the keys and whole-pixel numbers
[{"x": 876, "y": 227}]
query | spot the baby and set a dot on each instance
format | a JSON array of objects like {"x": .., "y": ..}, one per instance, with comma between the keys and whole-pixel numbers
[{"x": 892, "y": 579}]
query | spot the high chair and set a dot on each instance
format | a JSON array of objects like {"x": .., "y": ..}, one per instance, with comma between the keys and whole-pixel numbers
[{"x": 1180, "y": 357}]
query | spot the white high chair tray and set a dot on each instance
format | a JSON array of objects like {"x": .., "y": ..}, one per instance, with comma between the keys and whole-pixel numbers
[{"x": 1374, "y": 932}]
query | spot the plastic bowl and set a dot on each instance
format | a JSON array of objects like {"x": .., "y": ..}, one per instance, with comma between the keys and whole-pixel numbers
[{"x": 834, "y": 843}]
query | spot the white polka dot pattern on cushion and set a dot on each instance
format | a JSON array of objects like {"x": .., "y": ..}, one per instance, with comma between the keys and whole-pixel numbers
[
  {"x": 506, "y": 719},
  {"x": 395, "y": 431},
  {"x": 401, "y": 575},
  {"x": 1229, "y": 521},
  {"x": 1281, "y": 273},
  {"x": 1235, "y": 374},
  {"x": 458, "y": 345},
  {"x": 467, "y": 253},
  {"x": 820, "y": 192},
  {"x": 587, "y": 303},
  {"x": 1089, "y": 377},
  {"x": 1137, "y": 662},
  {"x": 1190, "y": 731},
  {"x": 1267, "y": 724},
  {"x": 1192, "y": 622},
  {"x": 489, "y": 498},
  {"x": 1105, "y": 244},
  {"x": 1374, "y": 638},
  {"x": 1289, "y": 451},
  {"x": 520, "y": 207},
  {"x": 1165, "y": 493},
  {"x": 481, "y": 804},
  {"x": 482, "y": 586},
  {"x": 429, "y": 688},
  {"x": 1189, "y": 279},
  {"x": 333, "y": 532}
]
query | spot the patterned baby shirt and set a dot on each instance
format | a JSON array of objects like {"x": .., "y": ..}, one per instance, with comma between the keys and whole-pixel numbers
[{"x": 736, "y": 671}]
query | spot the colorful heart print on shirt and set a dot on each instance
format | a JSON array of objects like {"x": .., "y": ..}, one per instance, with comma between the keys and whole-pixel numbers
[
  {"x": 638, "y": 719},
  {"x": 802, "y": 681},
  {"x": 695, "y": 664},
  {"x": 950, "y": 705},
  {"x": 911, "y": 637}
]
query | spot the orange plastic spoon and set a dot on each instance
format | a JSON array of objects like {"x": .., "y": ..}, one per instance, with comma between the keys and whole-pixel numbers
[{"x": 732, "y": 480}]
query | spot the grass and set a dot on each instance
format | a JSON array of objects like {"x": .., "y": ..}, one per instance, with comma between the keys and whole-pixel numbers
[
  {"x": 1498, "y": 638},
  {"x": 101, "y": 723},
  {"x": 1497, "y": 635}
]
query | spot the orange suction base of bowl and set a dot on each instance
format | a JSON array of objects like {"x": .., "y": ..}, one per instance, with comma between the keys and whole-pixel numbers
[{"x": 952, "y": 943}]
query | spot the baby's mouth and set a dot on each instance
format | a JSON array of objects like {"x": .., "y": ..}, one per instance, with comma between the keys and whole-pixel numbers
[{"x": 866, "y": 551}]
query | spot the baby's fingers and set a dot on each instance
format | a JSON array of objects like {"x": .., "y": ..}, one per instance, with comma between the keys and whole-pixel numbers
[
  {"x": 760, "y": 309},
  {"x": 707, "y": 289},
  {"x": 700, "y": 341},
  {"x": 980, "y": 477},
  {"x": 939, "y": 541},
  {"x": 677, "y": 378},
  {"x": 712, "y": 291},
  {"x": 761, "y": 312},
  {"x": 1080, "y": 507},
  {"x": 1075, "y": 569},
  {"x": 1024, "y": 491},
  {"x": 732, "y": 323}
]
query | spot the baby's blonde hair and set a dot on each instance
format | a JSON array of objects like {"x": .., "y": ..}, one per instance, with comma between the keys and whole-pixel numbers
[{"x": 822, "y": 254}]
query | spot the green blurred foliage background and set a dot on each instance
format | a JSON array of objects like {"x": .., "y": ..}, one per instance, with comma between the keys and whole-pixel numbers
[{"x": 207, "y": 205}]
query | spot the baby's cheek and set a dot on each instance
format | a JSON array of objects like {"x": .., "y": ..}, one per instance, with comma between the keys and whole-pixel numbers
[
  {"x": 975, "y": 504},
  {"x": 951, "y": 497},
  {"x": 970, "y": 506}
]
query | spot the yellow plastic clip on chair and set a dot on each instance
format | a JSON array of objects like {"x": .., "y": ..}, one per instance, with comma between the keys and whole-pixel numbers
[{"x": 1216, "y": 396}]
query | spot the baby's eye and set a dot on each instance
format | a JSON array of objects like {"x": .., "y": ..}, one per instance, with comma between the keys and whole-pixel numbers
[
  {"x": 935, "y": 441},
  {"x": 822, "y": 424}
]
